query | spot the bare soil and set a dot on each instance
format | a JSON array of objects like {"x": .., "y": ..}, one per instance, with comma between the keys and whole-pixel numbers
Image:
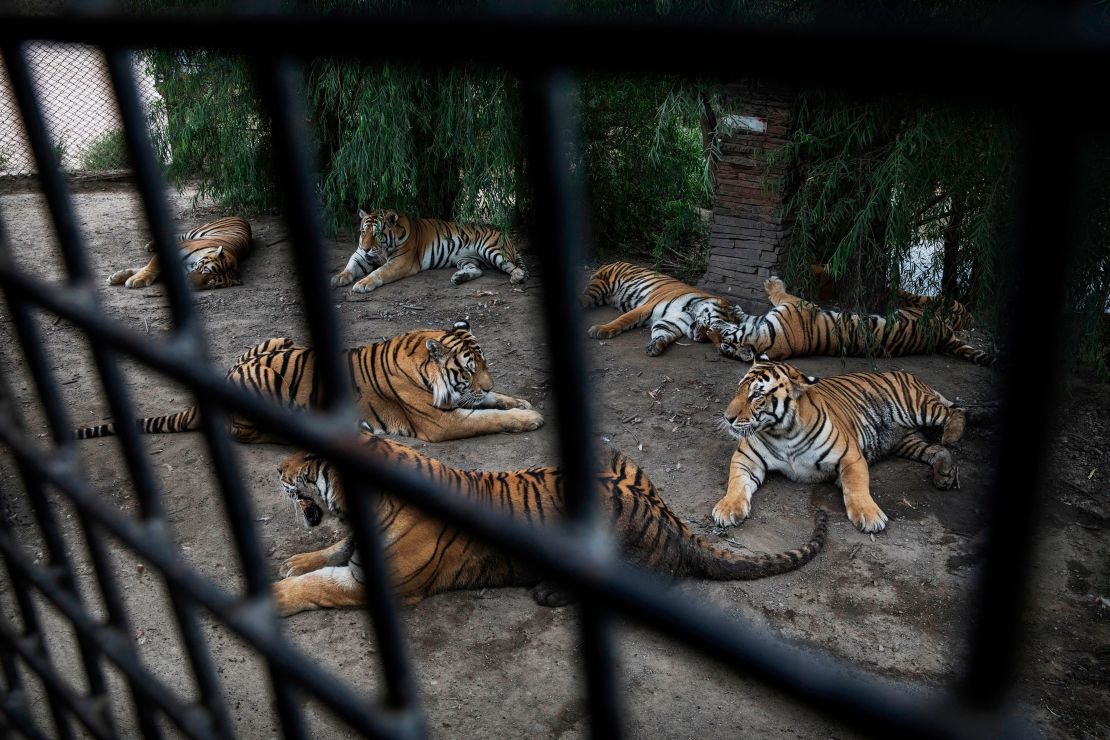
[{"x": 492, "y": 663}]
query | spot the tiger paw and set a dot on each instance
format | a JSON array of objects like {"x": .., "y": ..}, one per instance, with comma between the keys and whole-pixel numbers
[
  {"x": 137, "y": 281},
  {"x": 525, "y": 420},
  {"x": 731, "y": 510},
  {"x": 117, "y": 278},
  {"x": 746, "y": 353},
  {"x": 519, "y": 403},
  {"x": 364, "y": 286},
  {"x": 946, "y": 474},
  {"x": 867, "y": 516},
  {"x": 774, "y": 285},
  {"x": 343, "y": 278},
  {"x": 656, "y": 347},
  {"x": 299, "y": 564},
  {"x": 598, "y": 331},
  {"x": 518, "y": 276}
]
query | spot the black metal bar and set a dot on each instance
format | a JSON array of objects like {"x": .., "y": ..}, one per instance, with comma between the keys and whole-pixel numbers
[
  {"x": 991, "y": 61},
  {"x": 246, "y": 618},
  {"x": 134, "y": 453},
  {"x": 1045, "y": 198},
  {"x": 559, "y": 238}
]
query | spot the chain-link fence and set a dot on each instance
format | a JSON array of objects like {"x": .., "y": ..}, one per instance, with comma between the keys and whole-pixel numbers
[{"x": 80, "y": 111}]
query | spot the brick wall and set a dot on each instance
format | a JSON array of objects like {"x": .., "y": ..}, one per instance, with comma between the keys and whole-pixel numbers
[{"x": 745, "y": 238}]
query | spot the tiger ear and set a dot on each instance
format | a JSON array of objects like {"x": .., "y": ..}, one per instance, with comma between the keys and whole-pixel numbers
[
  {"x": 391, "y": 217},
  {"x": 799, "y": 382},
  {"x": 219, "y": 252},
  {"x": 437, "y": 351},
  {"x": 362, "y": 214},
  {"x": 460, "y": 325}
]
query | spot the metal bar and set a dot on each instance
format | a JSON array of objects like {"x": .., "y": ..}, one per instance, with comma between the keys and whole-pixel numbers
[
  {"x": 559, "y": 238},
  {"x": 81, "y": 279},
  {"x": 243, "y": 618},
  {"x": 1046, "y": 194},
  {"x": 991, "y": 61}
]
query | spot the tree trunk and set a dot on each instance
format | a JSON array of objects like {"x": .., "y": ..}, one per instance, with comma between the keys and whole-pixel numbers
[{"x": 951, "y": 250}]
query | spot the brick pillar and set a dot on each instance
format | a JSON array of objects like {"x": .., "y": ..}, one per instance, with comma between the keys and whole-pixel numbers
[{"x": 746, "y": 232}]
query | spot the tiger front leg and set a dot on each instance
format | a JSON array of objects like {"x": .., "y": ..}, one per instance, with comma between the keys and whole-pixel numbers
[
  {"x": 855, "y": 483},
  {"x": 622, "y": 323},
  {"x": 326, "y": 588},
  {"x": 307, "y": 562},
  {"x": 137, "y": 278},
  {"x": 390, "y": 272},
  {"x": 501, "y": 401},
  {"x": 663, "y": 335},
  {"x": 468, "y": 270},
  {"x": 358, "y": 266},
  {"x": 463, "y": 423},
  {"x": 745, "y": 475}
]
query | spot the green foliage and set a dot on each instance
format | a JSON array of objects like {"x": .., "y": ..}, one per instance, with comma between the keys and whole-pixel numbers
[
  {"x": 871, "y": 181},
  {"x": 5, "y": 159},
  {"x": 107, "y": 152},
  {"x": 643, "y": 153}
]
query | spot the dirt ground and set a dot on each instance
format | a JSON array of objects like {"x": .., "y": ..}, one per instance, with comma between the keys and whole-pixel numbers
[{"x": 492, "y": 663}]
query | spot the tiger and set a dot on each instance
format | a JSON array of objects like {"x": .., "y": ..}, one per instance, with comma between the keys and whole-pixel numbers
[
  {"x": 392, "y": 246},
  {"x": 430, "y": 384},
  {"x": 794, "y": 327},
  {"x": 427, "y": 557},
  {"x": 210, "y": 253},
  {"x": 813, "y": 429},
  {"x": 954, "y": 313},
  {"x": 645, "y": 295}
]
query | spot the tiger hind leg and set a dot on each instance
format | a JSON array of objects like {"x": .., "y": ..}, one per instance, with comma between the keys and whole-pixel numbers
[
  {"x": 326, "y": 588},
  {"x": 468, "y": 270},
  {"x": 622, "y": 323},
  {"x": 914, "y": 446}
]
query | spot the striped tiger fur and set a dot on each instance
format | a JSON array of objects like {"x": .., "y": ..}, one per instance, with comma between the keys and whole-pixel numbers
[
  {"x": 648, "y": 296},
  {"x": 813, "y": 429},
  {"x": 211, "y": 254},
  {"x": 794, "y": 327},
  {"x": 392, "y": 246},
  {"x": 429, "y": 384},
  {"x": 951, "y": 311},
  {"x": 428, "y": 557}
]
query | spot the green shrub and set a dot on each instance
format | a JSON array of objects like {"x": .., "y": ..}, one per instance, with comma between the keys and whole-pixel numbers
[{"x": 107, "y": 152}]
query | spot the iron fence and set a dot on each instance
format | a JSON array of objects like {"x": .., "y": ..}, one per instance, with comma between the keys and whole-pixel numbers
[{"x": 1034, "y": 63}]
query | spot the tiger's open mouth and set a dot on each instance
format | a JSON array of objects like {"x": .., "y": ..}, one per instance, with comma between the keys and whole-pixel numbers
[{"x": 312, "y": 513}]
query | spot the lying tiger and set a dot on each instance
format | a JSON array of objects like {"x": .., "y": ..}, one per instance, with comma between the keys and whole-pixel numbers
[
  {"x": 432, "y": 385},
  {"x": 210, "y": 253},
  {"x": 648, "y": 296},
  {"x": 795, "y": 327},
  {"x": 428, "y": 557},
  {"x": 392, "y": 246},
  {"x": 813, "y": 429}
]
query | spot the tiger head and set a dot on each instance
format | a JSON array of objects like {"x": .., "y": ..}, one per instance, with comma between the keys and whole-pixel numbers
[
  {"x": 766, "y": 399},
  {"x": 212, "y": 271},
  {"x": 732, "y": 334},
  {"x": 457, "y": 370},
  {"x": 381, "y": 233},
  {"x": 310, "y": 483}
]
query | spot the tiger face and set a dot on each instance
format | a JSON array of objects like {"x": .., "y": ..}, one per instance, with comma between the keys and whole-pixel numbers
[
  {"x": 461, "y": 376},
  {"x": 211, "y": 272},
  {"x": 733, "y": 339},
  {"x": 380, "y": 234},
  {"x": 307, "y": 480},
  {"x": 765, "y": 400}
]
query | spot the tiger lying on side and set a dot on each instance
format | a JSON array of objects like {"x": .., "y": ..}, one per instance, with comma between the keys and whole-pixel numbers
[
  {"x": 812, "y": 429},
  {"x": 432, "y": 385},
  {"x": 795, "y": 327},
  {"x": 211, "y": 254},
  {"x": 392, "y": 246},
  {"x": 428, "y": 557},
  {"x": 644, "y": 295}
]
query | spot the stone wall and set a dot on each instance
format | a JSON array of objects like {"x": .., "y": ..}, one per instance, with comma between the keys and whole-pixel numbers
[{"x": 745, "y": 240}]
